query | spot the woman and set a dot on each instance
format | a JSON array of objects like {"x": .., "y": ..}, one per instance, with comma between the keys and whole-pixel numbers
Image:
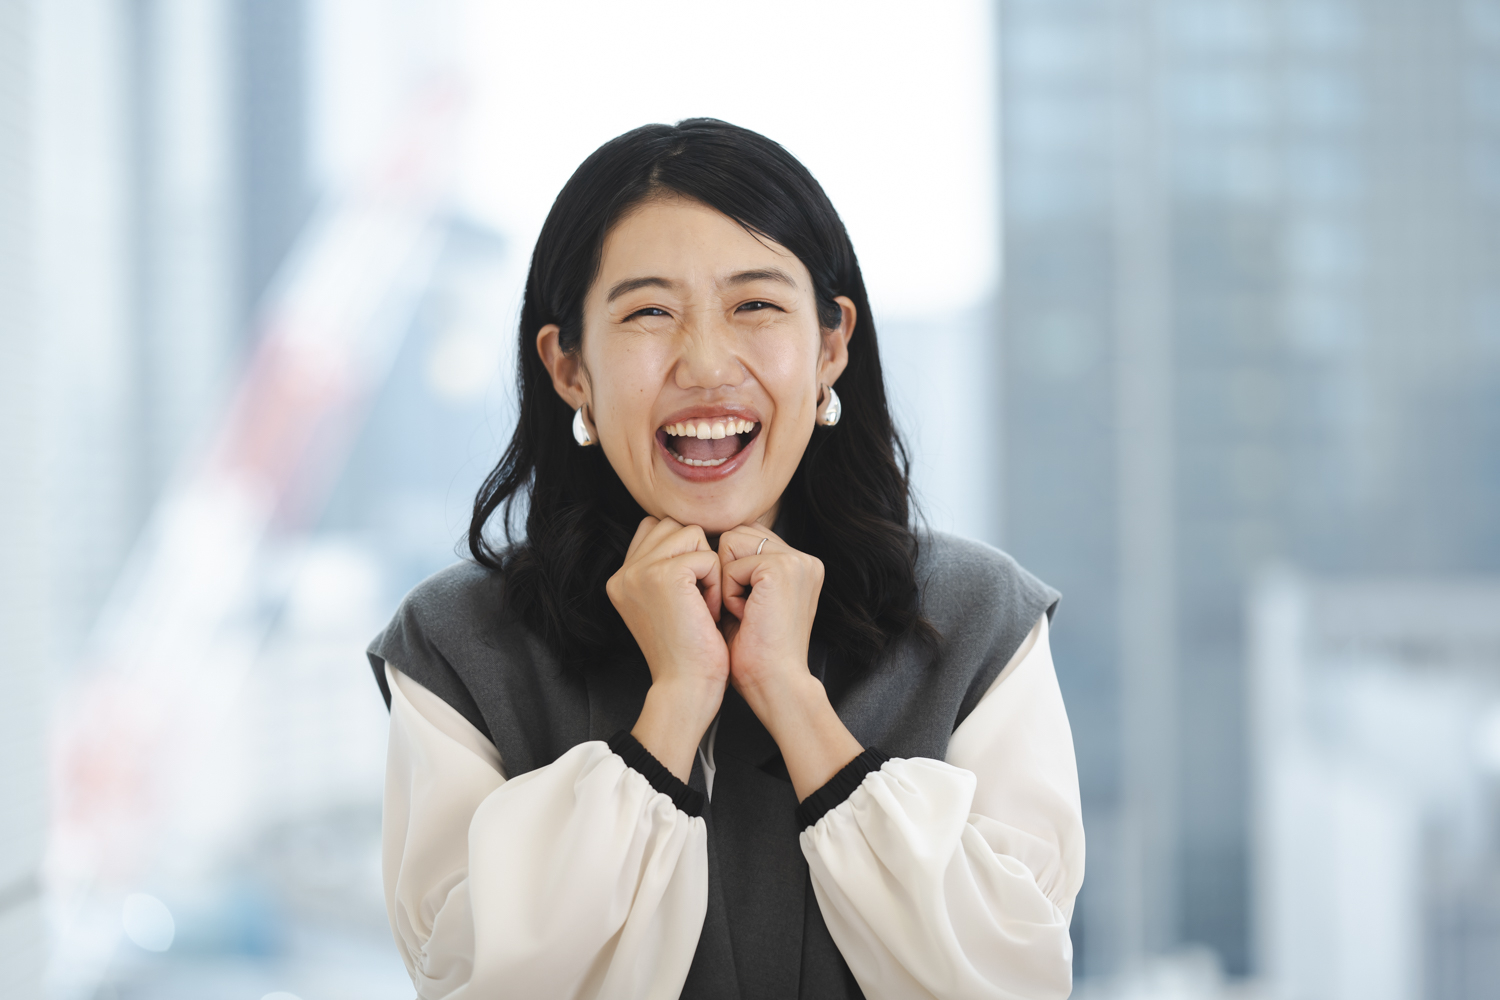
[{"x": 721, "y": 724}]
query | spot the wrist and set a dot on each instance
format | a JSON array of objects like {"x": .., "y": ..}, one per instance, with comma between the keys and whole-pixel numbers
[
  {"x": 815, "y": 744},
  {"x": 673, "y": 720},
  {"x": 787, "y": 703},
  {"x": 693, "y": 701}
]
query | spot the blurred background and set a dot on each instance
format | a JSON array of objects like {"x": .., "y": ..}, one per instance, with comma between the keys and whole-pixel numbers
[{"x": 1191, "y": 305}]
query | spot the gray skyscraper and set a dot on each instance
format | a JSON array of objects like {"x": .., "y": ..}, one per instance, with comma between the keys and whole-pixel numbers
[{"x": 1251, "y": 315}]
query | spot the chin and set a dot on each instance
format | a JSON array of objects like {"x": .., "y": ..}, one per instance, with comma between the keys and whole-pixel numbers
[{"x": 714, "y": 519}]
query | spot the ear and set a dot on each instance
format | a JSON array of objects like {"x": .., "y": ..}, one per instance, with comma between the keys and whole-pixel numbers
[
  {"x": 568, "y": 375},
  {"x": 835, "y": 356}
]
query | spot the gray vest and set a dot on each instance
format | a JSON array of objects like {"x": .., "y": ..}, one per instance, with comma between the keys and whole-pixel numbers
[{"x": 763, "y": 936}]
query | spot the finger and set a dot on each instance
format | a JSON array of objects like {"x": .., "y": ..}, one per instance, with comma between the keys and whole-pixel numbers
[
  {"x": 703, "y": 564},
  {"x": 692, "y": 535},
  {"x": 696, "y": 564},
  {"x": 737, "y": 582},
  {"x": 649, "y": 545},
  {"x": 748, "y": 539},
  {"x": 646, "y": 544},
  {"x": 665, "y": 528},
  {"x": 743, "y": 542},
  {"x": 642, "y": 531},
  {"x": 743, "y": 573},
  {"x": 756, "y": 528},
  {"x": 713, "y": 589},
  {"x": 675, "y": 541}
]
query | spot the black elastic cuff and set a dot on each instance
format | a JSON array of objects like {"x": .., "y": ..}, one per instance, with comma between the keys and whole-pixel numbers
[
  {"x": 839, "y": 787},
  {"x": 636, "y": 756}
]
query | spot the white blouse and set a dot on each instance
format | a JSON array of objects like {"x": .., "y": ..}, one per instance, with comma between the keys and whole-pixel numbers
[{"x": 937, "y": 880}]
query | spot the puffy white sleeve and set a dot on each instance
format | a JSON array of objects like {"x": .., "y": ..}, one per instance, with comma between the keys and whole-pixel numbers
[
  {"x": 578, "y": 879},
  {"x": 956, "y": 879}
]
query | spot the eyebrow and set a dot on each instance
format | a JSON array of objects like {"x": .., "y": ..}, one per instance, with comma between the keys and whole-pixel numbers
[
  {"x": 738, "y": 278},
  {"x": 631, "y": 284},
  {"x": 762, "y": 274}
]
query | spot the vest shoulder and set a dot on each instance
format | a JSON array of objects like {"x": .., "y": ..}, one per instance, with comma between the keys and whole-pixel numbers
[
  {"x": 982, "y": 604},
  {"x": 960, "y": 577},
  {"x": 462, "y": 596},
  {"x": 452, "y": 624},
  {"x": 946, "y": 562}
]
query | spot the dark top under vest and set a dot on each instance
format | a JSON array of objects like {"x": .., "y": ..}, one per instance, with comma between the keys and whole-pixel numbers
[{"x": 763, "y": 937}]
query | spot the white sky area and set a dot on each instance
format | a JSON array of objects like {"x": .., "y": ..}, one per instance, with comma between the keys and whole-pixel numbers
[{"x": 892, "y": 106}]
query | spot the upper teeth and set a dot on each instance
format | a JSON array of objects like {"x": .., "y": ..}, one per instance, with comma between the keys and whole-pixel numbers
[{"x": 709, "y": 428}]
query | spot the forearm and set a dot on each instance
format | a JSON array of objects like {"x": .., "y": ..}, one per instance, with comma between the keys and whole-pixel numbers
[
  {"x": 674, "y": 719},
  {"x": 814, "y": 742}
]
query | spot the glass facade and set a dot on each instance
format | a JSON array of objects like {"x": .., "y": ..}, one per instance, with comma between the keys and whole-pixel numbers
[{"x": 1277, "y": 210}]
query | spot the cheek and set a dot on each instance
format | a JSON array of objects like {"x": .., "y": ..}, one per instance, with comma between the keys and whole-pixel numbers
[
  {"x": 786, "y": 364},
  {"x": 626, "y": 376}
]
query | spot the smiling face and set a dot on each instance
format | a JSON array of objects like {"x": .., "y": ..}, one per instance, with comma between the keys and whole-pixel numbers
[{"x": 700, "y": 363}]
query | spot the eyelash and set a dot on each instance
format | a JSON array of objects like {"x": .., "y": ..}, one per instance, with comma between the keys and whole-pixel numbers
[{"x": 760, "y": 304}]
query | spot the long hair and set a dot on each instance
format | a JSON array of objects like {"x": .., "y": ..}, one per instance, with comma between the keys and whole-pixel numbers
[{"x": 848, "y": 501}]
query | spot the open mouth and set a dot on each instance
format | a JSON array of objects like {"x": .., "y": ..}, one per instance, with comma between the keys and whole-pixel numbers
[{"x": 707, "y": 443}]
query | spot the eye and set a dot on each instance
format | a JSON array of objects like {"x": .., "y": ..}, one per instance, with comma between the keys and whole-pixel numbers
[
  {"x": 648, "y": 311},
  {"x": 756, "y": 306}
]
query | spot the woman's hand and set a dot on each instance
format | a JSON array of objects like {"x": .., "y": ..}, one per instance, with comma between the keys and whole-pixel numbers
[
  {"x": 773, "y": 598},
  {"x": 668, "y": 592}
]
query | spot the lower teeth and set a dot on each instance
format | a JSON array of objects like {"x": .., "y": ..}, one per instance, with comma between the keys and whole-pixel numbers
[{"x": 709, "y": 462}]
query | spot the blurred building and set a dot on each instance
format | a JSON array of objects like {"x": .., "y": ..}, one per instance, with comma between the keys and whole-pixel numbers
[
  {"x": 22, "y": 502},
  {"x": 154, "y": 173},
  {"x": 1375, "y": 720},
  {"x": 171, "y": 178},
  {"x": 1252, "y": 267}
]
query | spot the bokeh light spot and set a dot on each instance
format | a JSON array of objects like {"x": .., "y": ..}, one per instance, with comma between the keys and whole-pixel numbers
[{"x": 148, "y": 922}]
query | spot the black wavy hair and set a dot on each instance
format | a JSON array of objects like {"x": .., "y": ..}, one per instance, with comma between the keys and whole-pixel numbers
[{"x": 848, "y": 501}]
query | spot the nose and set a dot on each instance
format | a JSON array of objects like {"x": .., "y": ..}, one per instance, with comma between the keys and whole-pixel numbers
[{"x": 708, "y": 359}]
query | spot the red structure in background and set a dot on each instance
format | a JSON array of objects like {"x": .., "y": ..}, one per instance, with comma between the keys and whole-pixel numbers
[{"x": 180, "y": 629}]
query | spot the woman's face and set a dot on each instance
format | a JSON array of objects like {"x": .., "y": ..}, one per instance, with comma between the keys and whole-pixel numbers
[{"x": 700, "y": 363}]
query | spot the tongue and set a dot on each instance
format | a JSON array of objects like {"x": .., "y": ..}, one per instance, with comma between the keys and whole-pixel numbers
[{"x": 702, "y": 450}]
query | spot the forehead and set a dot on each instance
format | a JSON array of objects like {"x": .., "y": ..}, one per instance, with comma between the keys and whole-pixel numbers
[{"x": 686, "y": 241}]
